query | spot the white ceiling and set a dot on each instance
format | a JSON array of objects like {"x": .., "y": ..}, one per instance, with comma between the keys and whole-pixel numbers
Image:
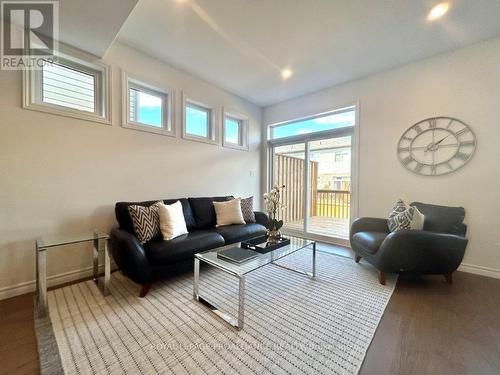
[
  {"x": 241, "y": 45},
  {"x": 92, "y": 25}
]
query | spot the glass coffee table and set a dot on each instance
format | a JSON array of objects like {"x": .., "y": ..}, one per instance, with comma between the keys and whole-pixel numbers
[{"x": 240, "y": 270}]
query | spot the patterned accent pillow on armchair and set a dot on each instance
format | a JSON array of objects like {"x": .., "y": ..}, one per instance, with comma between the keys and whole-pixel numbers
[
  {"x": 405, "y": 217},
  {"x": 146, "y": 221}
]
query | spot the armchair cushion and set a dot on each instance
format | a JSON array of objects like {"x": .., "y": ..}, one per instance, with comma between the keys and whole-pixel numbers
[
  {"x": 442, "y": 219},
  {"x": 369, "y": 241}
]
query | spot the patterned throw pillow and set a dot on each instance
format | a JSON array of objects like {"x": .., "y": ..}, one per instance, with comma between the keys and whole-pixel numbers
[
  {"x": 247, "y": 210},
  {"x": 405, "y": 217},
  {"x": 146, "y": 221},
  {"x": 401, "y": 220}
]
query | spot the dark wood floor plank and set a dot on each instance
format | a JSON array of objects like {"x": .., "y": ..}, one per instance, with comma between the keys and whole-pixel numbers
[
  {"x": 429, "y": 327},
  {"x": 18, "y": 349}
]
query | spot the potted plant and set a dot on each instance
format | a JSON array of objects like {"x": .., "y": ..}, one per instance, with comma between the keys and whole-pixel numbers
[{"x": 273, "y": 204}]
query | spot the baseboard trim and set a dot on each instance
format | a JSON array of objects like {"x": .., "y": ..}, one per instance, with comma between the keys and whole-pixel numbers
[
  {"x": 479, "y": 270},
  {"x": 30, "y": 286}
]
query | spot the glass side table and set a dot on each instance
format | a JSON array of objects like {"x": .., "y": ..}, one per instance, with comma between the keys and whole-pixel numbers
[{"x": 42, "y": 244}]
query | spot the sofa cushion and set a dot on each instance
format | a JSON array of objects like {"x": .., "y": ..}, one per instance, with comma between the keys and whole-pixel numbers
[
  {"x": 442, "y": 219},
  {"x": 204, "y": 212},
  {"x": 369, "y": 241},
  {"x": 125, "y": 221},
  {"x": 182, "y": 247},
  {"x": 237, "y": 233}
]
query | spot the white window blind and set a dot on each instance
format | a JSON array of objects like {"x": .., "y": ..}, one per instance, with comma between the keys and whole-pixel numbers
[{"x": 68, "y": 87}]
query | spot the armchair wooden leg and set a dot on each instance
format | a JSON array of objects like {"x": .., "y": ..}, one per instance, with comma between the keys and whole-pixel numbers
[
  {"x": 357, "y": 258},
  {"x": 145, "y": 289},
  {"x": 381, "y": 277},
  {"x": 449, "y": 277}
]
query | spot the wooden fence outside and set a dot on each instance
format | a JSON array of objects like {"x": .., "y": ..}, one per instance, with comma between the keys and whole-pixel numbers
[{"x": 289, "y": 171}]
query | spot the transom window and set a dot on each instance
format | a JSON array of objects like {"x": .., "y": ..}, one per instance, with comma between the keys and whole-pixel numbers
[
  {"x": 148, "y": 108},
  {"x": 198, "y": 121},
  {"x": 68, "y": 87},
  {"x": 235, "y": 133},
  {"x": 327, "y": 121},
  {"x": 72, "y": 86},
  {"x": 233, "y": 130},
  {"x": 145, "y": 108}
]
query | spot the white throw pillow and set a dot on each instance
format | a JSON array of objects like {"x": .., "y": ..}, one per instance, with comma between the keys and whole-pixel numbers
[
  {"x": 172, "y": 222},
  {"x": 229, "y": 212},
  {"x": 417, "y": 221}
]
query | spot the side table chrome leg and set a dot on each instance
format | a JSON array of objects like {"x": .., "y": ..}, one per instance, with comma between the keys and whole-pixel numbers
[
  {"x": 42, "y": 281},
  {"x": 107, "y": 269},
  {"x": 96, "y": 260},
  {"x": 241, "y": 302}
]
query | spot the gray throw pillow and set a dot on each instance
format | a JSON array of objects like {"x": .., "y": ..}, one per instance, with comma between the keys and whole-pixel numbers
[{"x": 247, "y": 210}]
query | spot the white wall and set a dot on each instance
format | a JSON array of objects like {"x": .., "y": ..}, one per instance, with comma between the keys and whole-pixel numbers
[
  {"x": 63, "y": 175},
  {"x": 464, "y": 84}
]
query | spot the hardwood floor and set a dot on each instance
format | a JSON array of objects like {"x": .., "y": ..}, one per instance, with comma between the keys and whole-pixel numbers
[
  {"x": 429, "y": 327},
  {"x": 18, "y": 350}
]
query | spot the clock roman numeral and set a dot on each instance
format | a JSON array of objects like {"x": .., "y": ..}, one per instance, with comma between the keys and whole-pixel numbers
[
  {"x": 461, "y": 132},
  {"x": 407, "y": 160},
  {"x": 449, "y": 124},
  {"x": 448, "y": 165},
  {"x": 418, "y": 167},
  {"x": 418, "y": 129},
  {"x": 407, "y": 138},
  {"x": 433, "y": 170},
  {"x": 462, "y": 156},
  {"x": 402, "y": 149},
  {"x": 467, "y": 143},
  {"x": 432, "y": 123}
]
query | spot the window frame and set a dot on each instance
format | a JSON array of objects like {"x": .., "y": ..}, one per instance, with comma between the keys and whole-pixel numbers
[
  {"x": 271, "y": 127},
  {"x": 243, "y": 131},
  {"x": 82, "y": 62},
  {"x": 166, "y": 94},
  {"x": 213, "y": 125}
]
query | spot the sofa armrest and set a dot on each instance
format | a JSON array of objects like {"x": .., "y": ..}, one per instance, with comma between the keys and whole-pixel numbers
[
  {"x": 129, "y": 255},
  {"x": 368, "y": 224},
  {"x": 261, "y": 218},
  {"x": 422, "y": 251}
]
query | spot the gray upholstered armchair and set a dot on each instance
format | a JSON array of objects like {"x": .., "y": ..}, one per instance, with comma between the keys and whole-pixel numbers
[{"x": 438, "y": 249}]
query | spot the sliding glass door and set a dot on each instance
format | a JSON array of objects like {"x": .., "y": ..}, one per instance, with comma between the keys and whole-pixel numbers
[
  {"x": 330, "y": 188},
  {"x": 288, "y": 167},
  {"x": 316, "y": 170}
]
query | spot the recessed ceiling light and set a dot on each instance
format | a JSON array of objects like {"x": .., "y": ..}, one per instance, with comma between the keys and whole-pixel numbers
[
  {"x": 438, "y": 11},
  {"x": 286, "y": 73}
]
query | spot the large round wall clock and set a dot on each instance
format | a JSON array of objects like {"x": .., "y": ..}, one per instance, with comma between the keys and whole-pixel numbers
[{"x": 436, "y": 146}]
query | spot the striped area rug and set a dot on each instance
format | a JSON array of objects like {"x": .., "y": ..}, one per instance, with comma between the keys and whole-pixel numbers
[{"x": 293, "y": 325}]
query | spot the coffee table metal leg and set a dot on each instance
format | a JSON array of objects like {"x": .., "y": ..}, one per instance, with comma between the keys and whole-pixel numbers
[
  {"x": 241, "y": 302},
  {"x": 302, "y": 272},
  {"x": 235, "y": 322},
  {"x": 196, "y": 281},
  {"x": 314, "y": 260}
]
